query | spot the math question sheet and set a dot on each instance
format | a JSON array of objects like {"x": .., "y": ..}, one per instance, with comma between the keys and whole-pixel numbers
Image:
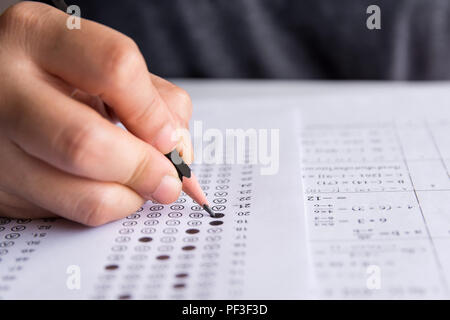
[
  {"x": 375, "y": 171},
  {"x": 255, "y": 248}
]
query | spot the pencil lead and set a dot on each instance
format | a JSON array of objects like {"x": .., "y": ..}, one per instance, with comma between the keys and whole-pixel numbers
[{"x": 208, "y": 209}]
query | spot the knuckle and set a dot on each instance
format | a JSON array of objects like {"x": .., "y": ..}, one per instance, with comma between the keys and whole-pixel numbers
[
  {"x": 21, "y": 10},
  {"x": 125, "y": 62},
  {"x": 79, "y": 146},
  {"x": 183, "y": 102},
  {"x": 23, "y": 14},
  {"x": 140, "y": 114},
  {"x": 138, "y": 171},
  {"x": 184, "y": 98}
]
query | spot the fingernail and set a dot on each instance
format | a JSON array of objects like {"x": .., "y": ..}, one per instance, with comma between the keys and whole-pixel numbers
[
  {"x": 166, "y": 140},
  {"x": 168, "y": 190},
  {"x": 184, "y": 154}
]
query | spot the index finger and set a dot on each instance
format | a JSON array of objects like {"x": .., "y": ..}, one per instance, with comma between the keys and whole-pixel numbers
[{"x": 103, "y": 62}]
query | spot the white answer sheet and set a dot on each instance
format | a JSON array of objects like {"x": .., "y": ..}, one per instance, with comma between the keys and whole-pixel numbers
[
  {"x": 375, "y": 161},
  {"x": 256, "y": 249},
  {"x": 358, "y": 208}
]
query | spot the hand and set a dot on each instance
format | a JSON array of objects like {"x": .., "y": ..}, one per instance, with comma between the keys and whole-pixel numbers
[{"x": 59, "y": 152}]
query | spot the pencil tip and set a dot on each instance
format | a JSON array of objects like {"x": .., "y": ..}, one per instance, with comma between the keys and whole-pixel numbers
[{"x": 208, "y": 209}]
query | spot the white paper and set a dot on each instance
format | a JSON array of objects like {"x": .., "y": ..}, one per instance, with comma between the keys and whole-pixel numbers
[
  {"x": 375, "y": 171},
  {"x": 373, "y": 160},
  {"x": 176, "y": 251},
  {"x": 375, "y": 164}
]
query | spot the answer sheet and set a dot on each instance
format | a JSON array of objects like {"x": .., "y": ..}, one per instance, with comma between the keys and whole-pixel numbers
[
  {"x": 375, "y": 161},
  {"x": 255, "y": 248},
  {"x": 359, "y": 207}
]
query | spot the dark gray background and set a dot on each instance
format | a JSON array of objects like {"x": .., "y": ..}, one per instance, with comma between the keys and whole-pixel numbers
[{"x": 314, "y": 39}]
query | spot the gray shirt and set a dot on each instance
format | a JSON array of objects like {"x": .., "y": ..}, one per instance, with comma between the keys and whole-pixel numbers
[{"x": 315, "y": 39}]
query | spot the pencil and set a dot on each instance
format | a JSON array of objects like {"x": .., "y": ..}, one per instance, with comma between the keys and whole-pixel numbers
[{"x": 188, "y": 179}]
